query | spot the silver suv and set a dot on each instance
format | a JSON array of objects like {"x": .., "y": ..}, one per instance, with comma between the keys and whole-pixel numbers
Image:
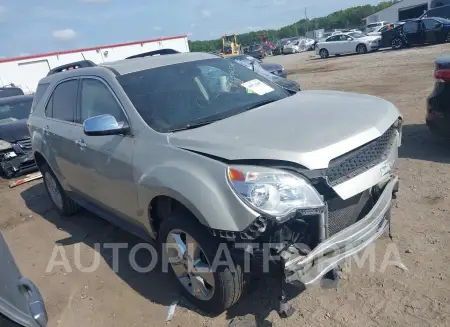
[{"x": 197, "y": 151}]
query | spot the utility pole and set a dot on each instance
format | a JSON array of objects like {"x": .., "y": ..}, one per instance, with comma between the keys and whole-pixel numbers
[{"x": 306, "y": 19}]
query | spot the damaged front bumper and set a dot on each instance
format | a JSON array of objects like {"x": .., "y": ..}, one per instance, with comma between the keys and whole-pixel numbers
[
  {"x": 20, "y": 163},
  {"x": 330, "y": 253}
]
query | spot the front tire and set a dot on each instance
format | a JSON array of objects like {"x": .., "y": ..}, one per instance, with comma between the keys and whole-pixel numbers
[
  {"x": 211, "y": 291},
  {"x": 361, "y": 49},
  {"x": 324, "y": 53},
  {"x": 397, "y": 43},
  {"x": 64, "y": 205},
  {"x": 447, "y": 38}
]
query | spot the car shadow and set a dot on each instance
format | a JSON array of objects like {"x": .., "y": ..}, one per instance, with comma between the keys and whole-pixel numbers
[
  {"x": 156, "y": 286},
  {"x": 419, "y": 143}
]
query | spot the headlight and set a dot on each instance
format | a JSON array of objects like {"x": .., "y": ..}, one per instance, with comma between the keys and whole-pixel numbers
[
  {"x": 273, "y": 192},
  {"x": 5, "y": 145}
]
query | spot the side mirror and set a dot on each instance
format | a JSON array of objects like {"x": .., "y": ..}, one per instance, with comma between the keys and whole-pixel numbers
[{"x": 104, "y": 125}]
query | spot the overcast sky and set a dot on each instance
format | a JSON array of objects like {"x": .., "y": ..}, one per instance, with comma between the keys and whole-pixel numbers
[{"x": 37, "y": 26}]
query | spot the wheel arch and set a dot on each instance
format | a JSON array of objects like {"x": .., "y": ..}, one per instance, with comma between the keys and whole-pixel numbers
[
  {"x": 167, "y": 201},
  {"x": 360, "y": 44},
  {"x": 322, "y": 49}
]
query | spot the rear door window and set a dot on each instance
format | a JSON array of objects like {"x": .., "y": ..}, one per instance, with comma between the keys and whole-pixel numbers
[
  {"x": 431, "y": 24},
  {"x": 62, "y": 104}
]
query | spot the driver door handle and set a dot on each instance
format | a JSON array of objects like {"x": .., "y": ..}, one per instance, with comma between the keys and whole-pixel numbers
[
  {"x": 35, "y": 301},
  {"x": 80, "y": 143}
]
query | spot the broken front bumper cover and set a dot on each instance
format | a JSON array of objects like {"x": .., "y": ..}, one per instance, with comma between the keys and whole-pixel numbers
[
  {"x": 333, "y": 251},
  {"x": 20, "y": 164}
]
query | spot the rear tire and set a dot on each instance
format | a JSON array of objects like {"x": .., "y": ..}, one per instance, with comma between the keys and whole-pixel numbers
[
  {"x": 228, "y": 285},
  {"x": 397, "y": 43},
  {"x": 324, "y": 53},
  {"x": 64, "y": 205}
]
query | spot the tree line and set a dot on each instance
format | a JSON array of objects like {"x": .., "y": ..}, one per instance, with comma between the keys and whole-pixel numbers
[{"x": 348, "y": 18}]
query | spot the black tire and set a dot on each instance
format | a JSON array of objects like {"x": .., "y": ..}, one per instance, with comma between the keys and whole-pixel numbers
[
  {"x": 229, "y": 285},
  {"x": 361, "y": 49},
  {"x": 68, "y": 206},
  {"x": 324, "y": 53},
  {"x": 397, "y": 43},
  {"x": 447, "y": 38}
]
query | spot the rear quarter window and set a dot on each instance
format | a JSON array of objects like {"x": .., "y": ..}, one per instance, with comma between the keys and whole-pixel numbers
[{"x": 38, "y": 95}]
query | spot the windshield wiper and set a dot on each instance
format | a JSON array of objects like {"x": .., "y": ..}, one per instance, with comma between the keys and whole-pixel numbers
[
  {"x": 260, "y": 104},
  {"x": 194, "y": 125}
]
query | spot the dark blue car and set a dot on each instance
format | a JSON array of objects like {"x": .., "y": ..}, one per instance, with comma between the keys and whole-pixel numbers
[
  {"x": 438, "y": 103},
  {"x": 421, "y": 31}
]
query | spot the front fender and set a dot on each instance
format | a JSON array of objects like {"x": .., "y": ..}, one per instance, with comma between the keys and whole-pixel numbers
[{"x": 201, "y": 187}]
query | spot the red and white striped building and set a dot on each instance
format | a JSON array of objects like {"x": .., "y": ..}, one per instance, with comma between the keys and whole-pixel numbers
[{"x": 25, "y": 72}]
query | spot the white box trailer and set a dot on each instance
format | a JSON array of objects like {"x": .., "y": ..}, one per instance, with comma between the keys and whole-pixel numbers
[{"x": 25, "y": 72}]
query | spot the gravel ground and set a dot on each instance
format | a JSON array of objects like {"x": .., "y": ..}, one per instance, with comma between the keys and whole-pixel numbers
[{"x": 413, "y": 294}]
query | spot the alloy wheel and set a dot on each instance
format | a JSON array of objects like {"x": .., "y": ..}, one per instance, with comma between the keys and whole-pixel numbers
[
  {"x": 323, "y": 53},
  {"x": 192, "y": 268},
  {"x": 397, "y": 43},
  {"x": 53, "y": 190}
]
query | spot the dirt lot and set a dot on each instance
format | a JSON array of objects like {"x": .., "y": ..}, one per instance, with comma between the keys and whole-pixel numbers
[{"x": 419, "y": 296}]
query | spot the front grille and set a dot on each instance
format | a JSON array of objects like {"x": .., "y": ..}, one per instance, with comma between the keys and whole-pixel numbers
[
  {"x": 362, "y": 159},
  {"x": 343, "y": 213},
  {"x": 25, "y": 144}
]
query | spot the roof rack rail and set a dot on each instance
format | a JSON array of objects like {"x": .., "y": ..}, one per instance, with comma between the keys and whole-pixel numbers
[
  {"x": 159, "y": 52},
  {"x": 73, "y": 65}
]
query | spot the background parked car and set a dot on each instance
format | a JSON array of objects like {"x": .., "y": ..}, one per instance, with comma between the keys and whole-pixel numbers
[
  {"x": 275, "y": 69},
  {"x": 279, "y": 47},
  {"x": 257, "y": 66},
  {"x": 16, "y": 156},
  {"x": 292, "y": 47},
  {"x": 417, "y": 32},
  {"x": 373, "y": 26},
  {"x": 438, "y": 103},
  {"x": 347, "y": 43},
  {"x": 10, "y": 91},
  {"x": 259, "y": 51}
]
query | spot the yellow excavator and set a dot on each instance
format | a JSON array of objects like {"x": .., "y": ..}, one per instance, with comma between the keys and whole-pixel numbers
[{"x": 230, "y": 46}]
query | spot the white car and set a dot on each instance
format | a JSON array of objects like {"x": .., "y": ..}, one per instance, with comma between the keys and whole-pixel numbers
[
  {"x": 293, "y": 47},
  {"x": 373, "y": 26},
  {"x": 309, "y": 44},
  {"x": 298, "y": 46},
  {"x": 352, "y": 42}
]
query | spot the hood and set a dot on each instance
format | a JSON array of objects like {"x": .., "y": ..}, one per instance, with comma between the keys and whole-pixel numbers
[
  {"x": 309, "y": 128},
  {"x": 14, "y": 131},
  {"x": 271, "y": 67}
]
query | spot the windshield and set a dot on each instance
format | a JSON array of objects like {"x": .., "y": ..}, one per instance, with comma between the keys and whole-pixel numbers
[
  {"x": 14, "y": 110},
  {"x": 356, "y": 35},
  {"x": 174, "y": 97}
]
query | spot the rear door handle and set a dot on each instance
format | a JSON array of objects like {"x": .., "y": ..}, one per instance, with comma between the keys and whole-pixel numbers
[{"x": 80, "y": 143}]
